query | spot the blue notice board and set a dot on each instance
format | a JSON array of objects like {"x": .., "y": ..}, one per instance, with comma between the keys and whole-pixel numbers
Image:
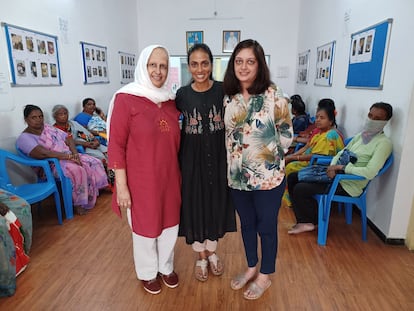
[{"x": 368, "y": 56}]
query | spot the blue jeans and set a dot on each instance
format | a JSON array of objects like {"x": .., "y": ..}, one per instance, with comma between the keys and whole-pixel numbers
[{"x": 258, "y": 211}]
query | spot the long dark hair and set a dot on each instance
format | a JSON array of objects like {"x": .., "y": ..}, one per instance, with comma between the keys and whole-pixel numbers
[
  {"x": 232, "y": 85},
  {"x": 298, "y": 106},
  {"x": 204, "y": 47}
]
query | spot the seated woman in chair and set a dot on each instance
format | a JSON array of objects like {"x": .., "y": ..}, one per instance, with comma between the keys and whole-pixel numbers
[
  {"x": 15, "y": 239},
  {"x": 372, "y": 149},
  {"x": 41, "y": 141},
  {"x": 328, "y": 141},
  {"x": 93, "y": 119},
  {"x": 82, "y": 137}
]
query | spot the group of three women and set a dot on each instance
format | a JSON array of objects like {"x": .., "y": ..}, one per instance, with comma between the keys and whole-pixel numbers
[
  {"x": 231, "y": 151},
  {"x": 233, "y": 134}
]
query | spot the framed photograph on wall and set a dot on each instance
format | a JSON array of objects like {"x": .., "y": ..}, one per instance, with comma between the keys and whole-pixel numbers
[
  {"x": 230, "y": 39},
  {"x": 324, "y": 64},
  {"x": 303, "y": 67},
  {"x": 33, "y": 57},
  {"x": 368, "y": 55},
  {"x": 95, "y": 63},
  {"x": 193, "y": 37},
  {"x": 127, "y": 66}
]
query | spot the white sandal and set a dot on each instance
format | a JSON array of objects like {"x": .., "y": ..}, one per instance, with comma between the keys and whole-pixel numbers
[
  {"x": 216, "y": 265},
  {"x": 201, "y": 266}
]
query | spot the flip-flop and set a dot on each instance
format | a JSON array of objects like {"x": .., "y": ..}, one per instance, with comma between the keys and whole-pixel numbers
[
  {"x": 216, "y": 266},
  {"x": 239, "y": 281},
  {"x": 200, "y": 270},
  {"x": 256, "y": 290}
]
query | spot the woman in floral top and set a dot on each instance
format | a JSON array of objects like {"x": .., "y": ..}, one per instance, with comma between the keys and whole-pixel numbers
[{"x": 258, "y": 133}]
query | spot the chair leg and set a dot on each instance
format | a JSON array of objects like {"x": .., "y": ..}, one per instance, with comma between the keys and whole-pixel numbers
[
  {"x": 67, "y": 198},
  {"x": 348, "y": 213},
  {"x": 58, "y": 207},
  {"x": 323, "y": 219},
  {"x": 364, "y": 221}
]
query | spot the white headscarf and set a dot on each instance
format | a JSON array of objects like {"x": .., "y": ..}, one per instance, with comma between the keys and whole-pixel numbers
[{"x": 142, "y": 86}]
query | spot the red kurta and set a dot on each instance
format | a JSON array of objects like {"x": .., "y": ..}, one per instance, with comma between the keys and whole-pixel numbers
[{"x": 144, "y": 140}]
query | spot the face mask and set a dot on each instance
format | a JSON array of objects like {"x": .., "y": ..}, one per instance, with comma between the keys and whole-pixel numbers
[{"x": 372, "y": 128}]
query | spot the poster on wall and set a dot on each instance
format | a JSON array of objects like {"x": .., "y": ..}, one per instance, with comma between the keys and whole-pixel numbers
[
  {"x": 127, "y": 66},
  {"x": 324, "y": 64},
  {"x": 33, "y": 57},
  {"x": 368, "y": 55},
  {"x": 303, "y": 67},
  {"x": 95, "y": 64}
]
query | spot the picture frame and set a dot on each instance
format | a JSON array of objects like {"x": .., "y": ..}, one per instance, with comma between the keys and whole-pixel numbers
[
  {"x": 303, "y": 67},
  {"x": 95, "y": 63},
  {"x": 368, "y": 56},
  {"x": 325, "y": 56},
  {"x": 127, "y": 63},
  {"x": 193, "y": 37},
  {"x": 33, "y": 57},
  {"x": 230, "y": 39}
]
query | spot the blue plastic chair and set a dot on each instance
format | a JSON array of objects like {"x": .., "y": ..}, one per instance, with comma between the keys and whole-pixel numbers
[
  {"x": 31, "y": 192},
  {"x": 65, "y": 183},
  {"x": 325, "y": 202}
]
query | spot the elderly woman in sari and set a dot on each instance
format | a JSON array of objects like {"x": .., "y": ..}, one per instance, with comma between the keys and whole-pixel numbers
[
  {"x": 81, "y": 136},
  {"x": 92, "y": 118},
  {"x": 40, "y": 141}
]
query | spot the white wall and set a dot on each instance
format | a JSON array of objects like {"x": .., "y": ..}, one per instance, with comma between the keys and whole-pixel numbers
[
  {"x": 107, "y": 23},
  {"x": 273, "y": 23},
  {"x": 323, "y": 21}
]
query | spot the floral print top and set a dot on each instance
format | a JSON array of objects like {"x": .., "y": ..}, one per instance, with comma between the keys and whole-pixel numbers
[{"x": 258, "y": 133}]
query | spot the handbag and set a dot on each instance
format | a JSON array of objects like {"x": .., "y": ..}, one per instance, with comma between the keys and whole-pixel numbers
[
  {"x": 314, "y": 173},
  {"x": 317, "y": 173}
]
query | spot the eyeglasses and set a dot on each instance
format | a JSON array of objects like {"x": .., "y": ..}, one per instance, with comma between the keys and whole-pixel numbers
[
  {"x": 154, "y": 66},
  {"x": 249, "y": 62}
]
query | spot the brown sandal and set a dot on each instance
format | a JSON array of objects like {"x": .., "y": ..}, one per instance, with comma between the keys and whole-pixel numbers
[{"x": 200, "y": 270}]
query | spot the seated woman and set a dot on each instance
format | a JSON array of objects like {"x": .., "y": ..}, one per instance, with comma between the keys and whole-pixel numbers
[
  {"x": 15, "y": 239},
  {"x": 328, "y": 141},
  {"x": 40, "y": 141},
  {"x": 82, "y": 137},
  {"x": 80, "y": 134},
  {"x": 372, "y": 149},
  {"x": 93, "y": 121},
  {"x": 300, "y": 120}
]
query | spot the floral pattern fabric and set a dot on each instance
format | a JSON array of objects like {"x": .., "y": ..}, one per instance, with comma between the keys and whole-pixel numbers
[{"x": 258, "y": 133}]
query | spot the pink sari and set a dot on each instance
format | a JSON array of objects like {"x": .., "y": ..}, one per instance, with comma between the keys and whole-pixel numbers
[{"x": 86, "y": 179}]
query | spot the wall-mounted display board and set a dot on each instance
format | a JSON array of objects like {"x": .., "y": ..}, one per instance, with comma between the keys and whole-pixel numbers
[
  {"x": 368, "y": 56},
  {"x": 33, "y": 57},
  {"x": 127, "y": 66},
  {"x": 95, "y": 63},
  {"x": 303, "y": 67},
  {"x": 324, "y": 64}
]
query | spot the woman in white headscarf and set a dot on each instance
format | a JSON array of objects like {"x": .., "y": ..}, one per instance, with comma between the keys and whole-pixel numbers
[{"x": 143, "y": 151}]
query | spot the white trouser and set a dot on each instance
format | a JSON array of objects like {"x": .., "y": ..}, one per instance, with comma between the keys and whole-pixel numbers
[
  {"x": 208, "y": 245},
  {"x": 153, "y": 255}
]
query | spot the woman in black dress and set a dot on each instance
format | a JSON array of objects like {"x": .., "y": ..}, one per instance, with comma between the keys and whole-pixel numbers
[{"x": 206, "y": 213}]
